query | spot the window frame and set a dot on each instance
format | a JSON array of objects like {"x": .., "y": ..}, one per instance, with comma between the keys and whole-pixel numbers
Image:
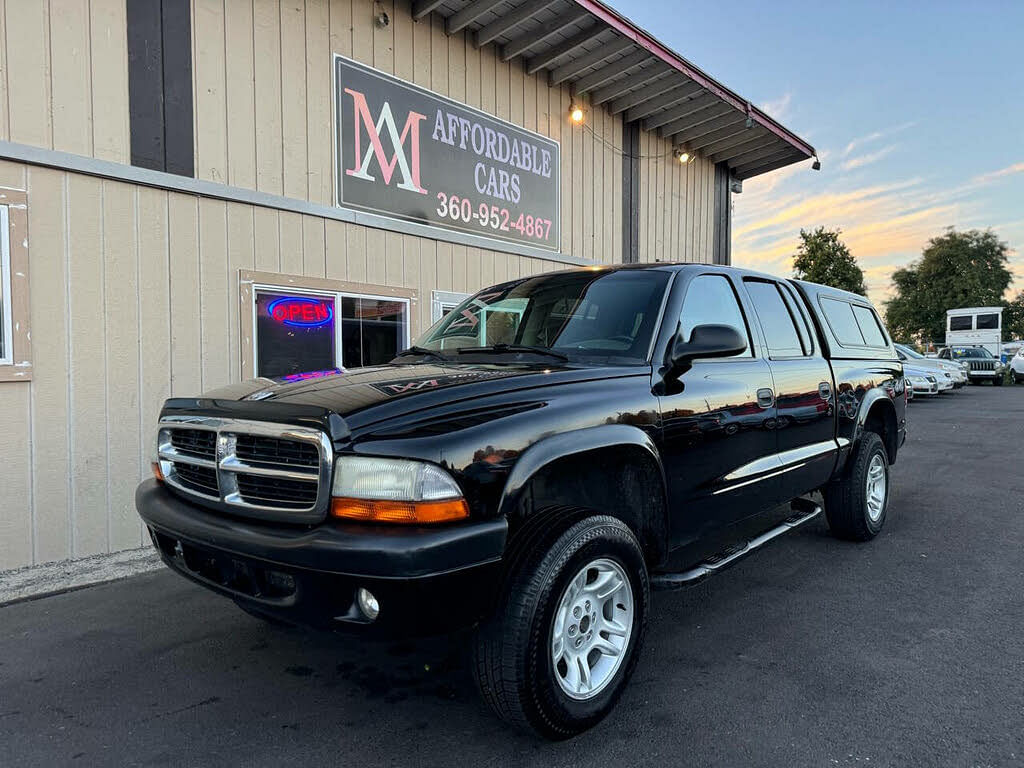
[
  {"x": 752, "y": 352},
  {"x": 252, "y": 283},
  {"x": 442, "y": 300},
  {"x": 16, "y": 354},
  {"x": 789, "y": 311}
]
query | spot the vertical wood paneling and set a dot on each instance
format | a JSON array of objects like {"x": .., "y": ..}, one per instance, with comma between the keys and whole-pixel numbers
[
  {"x": 211, "y": 121},
  {"x": 27, "y": 47},
  {"x": 109, "y": 59},
  {"x": 186, "y": 336},
  {"x": 293, "y": 97},
  {"x": 241, "y": 248},
  {"x": 86, "y": 307},
  {"x": 51, "y": 420},
  {"x": 240, "y": 94},
  {"x": 313, "y": 254},
  {"x": 5, "y": 115},
  {"x": 16, "y": 478},
  {"x": 213, "y": 292},
  {"x": 267, "y": 67},
  {"x": 290, "y": 236},
  {"x": 71, "y": 73},
  {"x": 121, "y": 332},
  {"x": 318, "y": 102}
]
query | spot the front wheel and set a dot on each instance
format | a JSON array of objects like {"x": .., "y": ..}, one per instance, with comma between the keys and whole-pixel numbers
[
  {"x": 997, "y": 381},
  {"x": 558, "y": 652},
  {"x": 856, "y": 504}
]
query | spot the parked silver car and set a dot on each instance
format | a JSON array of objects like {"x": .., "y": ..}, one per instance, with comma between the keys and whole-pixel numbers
[{"x": 955, "y": 372}]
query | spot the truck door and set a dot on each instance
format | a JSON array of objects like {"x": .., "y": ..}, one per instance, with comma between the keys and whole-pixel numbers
[
  {"x": 718, "y": 431},
  {"x": 804, "y": 389}
]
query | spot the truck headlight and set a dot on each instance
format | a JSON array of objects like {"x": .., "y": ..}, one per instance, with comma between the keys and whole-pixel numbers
[{"x": 395, "y": 491}]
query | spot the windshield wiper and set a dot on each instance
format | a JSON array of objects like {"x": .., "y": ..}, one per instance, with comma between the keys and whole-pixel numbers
[
  {"x": 414, "y": 350},
  {"x": 501, "y": 349}
]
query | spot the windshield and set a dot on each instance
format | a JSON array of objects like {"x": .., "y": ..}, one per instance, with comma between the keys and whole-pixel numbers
[
  {"x": 971, "y": 352},
  {"x": 586, "y": 315},
  {"x": 909, "y": 352}
]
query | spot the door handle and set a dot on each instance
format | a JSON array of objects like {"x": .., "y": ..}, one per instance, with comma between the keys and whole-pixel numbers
[
  {"x": 825, "y": 390},
  {"x": 765, "y": 398}
]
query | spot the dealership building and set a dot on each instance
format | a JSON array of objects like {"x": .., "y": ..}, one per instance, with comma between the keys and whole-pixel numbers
[{"x": 194, "y": 192}]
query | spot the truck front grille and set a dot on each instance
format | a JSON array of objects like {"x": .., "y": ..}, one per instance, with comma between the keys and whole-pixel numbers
[
  {"x": 251, "y": 468},
  {"x": 983, "y": 365}
]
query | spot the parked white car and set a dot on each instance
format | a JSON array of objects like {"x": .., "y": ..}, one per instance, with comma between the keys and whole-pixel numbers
[
  {"x": 1017, "y": 366},
  {"x": 921, "y": 381},
  {"x": 953, "y": 371}
]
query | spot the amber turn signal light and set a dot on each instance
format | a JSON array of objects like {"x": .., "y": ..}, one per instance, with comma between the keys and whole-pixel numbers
[
  {"x": 157, "y": 472},
  {"x": 405, "y": 512}
]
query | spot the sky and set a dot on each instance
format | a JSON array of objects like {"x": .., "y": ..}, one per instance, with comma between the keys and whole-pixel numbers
[{"x": 916, "y": 110}]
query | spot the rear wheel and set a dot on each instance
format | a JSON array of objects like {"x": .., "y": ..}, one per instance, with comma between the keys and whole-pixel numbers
[
  {"x": 558, "y": 652},
  {"x": 856, "y": 504}
]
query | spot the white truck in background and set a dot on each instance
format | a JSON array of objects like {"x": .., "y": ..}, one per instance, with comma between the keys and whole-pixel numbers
[{"x": 975, "y": 327}]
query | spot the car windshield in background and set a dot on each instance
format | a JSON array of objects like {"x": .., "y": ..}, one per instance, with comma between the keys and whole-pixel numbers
[
  {"x": 909, "y": 352},
  {"x": 586, "y": 316},
  {"x": 972, "y": 352}
]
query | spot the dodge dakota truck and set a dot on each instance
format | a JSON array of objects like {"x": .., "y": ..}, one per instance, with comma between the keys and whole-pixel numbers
[{"x": 543, "y": 456}]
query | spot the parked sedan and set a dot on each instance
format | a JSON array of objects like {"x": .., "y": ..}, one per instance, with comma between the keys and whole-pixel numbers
[
  {"x": 921, "y": 381},
  {"x": 954, "y": 371}
]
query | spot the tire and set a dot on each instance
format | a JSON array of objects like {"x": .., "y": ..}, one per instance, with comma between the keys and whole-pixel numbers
[
  {"x": 850, "y": 516},
  {"x": 997, "y": 381},
  {"x": 514, "y": 650}
]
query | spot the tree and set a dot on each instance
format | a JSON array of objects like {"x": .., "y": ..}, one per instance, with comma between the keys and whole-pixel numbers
[
  {"x": 823, "y": 258},
  {"x": 957, "y": 269},
  {"x": 1013, "y": 318}
]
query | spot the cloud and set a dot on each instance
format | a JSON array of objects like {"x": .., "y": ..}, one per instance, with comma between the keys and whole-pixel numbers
[
  {"x": 872, "y": 157},
  {"x": 875, "y": 136},
  {"x": 988, "y": 178},
  {"x": 779, "y": 108}
]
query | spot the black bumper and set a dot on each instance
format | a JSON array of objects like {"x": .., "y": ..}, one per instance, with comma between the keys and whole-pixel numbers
[{"x": 426, "y": 579}]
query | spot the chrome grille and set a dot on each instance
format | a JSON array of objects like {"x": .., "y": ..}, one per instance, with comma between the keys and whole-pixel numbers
[
  {"x": 983, "y": 365},
  {"x": 259, "y": 469}
]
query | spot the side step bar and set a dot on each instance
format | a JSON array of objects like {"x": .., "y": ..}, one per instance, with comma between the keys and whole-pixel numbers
[{"x": 804, "y": 510}]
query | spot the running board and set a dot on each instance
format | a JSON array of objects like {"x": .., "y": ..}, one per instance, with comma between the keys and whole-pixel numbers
[{"x": 804, "y": 510}]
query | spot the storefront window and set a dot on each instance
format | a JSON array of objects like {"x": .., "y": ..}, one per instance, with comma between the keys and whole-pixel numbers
[{"x": 305, "y": 332}]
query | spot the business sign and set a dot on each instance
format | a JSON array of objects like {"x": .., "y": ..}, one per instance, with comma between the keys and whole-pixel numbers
[
  {"x": 408, "y": 153},
  {"x": 301, "y": 311}
]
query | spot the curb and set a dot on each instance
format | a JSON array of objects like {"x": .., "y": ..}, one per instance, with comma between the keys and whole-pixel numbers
[{"x": 37, "y": 581}]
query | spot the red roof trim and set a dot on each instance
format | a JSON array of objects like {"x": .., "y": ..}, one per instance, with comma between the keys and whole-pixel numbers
[{"x": 644, "y": 40}]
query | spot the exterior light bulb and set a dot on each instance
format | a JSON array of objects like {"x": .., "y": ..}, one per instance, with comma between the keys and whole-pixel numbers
[
  {"x": 684, "y": 157},
  {"x": 576, "y": 114}
]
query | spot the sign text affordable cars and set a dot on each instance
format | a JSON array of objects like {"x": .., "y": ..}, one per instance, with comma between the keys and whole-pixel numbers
[{"x": 409, "y": 153}]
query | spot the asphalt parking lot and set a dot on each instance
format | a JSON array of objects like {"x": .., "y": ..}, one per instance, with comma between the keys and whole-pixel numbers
[{"x": 908, "y": 651}]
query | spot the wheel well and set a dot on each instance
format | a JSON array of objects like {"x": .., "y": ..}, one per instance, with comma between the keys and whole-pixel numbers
[
  {"x": 881, "y": 420},
  {"x": 624, "y": 482}
]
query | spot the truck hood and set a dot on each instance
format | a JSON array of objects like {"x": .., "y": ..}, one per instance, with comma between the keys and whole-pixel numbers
[{"x": 367, "y": 395}]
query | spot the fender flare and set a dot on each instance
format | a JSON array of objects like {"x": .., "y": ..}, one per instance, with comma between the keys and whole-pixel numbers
[
  {"x": 549, "y": 450},
  {"x": 872, "y": 397}
]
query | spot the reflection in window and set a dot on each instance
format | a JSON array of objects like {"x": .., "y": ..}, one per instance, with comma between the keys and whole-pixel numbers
[
  {"x": 988, "y": 322},
  {"x": 710, "y": 300},
  {"x": 842, "y": 322},
  {"x": 961, "y": 323},
  {"x": 777, "y": 323},
  {"x": 372, "y": 330},
  {"x": 869, "y": 327}
]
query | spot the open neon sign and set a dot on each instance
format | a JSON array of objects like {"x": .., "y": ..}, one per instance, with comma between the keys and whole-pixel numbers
[{"x": 300, "y": 312}]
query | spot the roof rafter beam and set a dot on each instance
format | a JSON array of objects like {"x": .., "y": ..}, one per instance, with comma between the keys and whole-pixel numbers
[
  {"x": 587, "y": 60},
  {"x": 765, "y": 153},
  {"x": 509, "y": 21},
  {"x": 609, "y": 72},
  {"x": 523, "y": 43},
  {"x": 732, "y": 128},
  {"x": 723, "y": 150},
  {"x": 683, "y": 110},
  {"x": 795, "y": 157},
  {"x": 701, "y": 127},
  {"x": 764, "y": 159},
  {"x": 422, "y": 7},
  {"x": 688, "y": 126},
  {"x": 644, "y": 94},
  {"x": 619, "y": 87},
  {"x": 667, "y": 99},
  {"x": 536, "y": 63},
  {"x": 461, "y": 19}
]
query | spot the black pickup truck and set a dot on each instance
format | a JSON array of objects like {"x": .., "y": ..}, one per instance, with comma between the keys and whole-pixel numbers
[{"x": 546, "y": 454}]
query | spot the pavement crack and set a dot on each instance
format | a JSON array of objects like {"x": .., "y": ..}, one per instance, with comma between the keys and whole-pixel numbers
[{"x": 197, "y": 705}]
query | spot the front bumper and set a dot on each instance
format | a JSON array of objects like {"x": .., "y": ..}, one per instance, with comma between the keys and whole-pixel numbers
[{"x": 426, "y": 579}]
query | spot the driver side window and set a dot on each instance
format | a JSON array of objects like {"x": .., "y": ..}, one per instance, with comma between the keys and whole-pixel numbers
[{"x": 710, "y": 299}]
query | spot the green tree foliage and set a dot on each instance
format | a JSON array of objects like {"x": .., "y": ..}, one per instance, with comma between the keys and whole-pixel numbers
[
  {"x": 1013, "y": 319},
  {"x": 957, "y": 269},
  {"x": 823, "y": 258}
]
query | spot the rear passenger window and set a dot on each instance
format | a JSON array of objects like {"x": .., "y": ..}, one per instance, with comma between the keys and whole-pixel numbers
[
  {"x": 710, "y": 299},
  {"x": 842, "y": 322},
  {"x": 777, "y": 321},
  {"x": 869, "y": 326}
]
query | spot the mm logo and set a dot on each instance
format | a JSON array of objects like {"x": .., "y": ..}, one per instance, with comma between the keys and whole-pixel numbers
[{"x": 408, "y": 165}]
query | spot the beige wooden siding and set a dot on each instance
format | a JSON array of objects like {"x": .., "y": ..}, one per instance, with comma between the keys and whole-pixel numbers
[
  {"x": 676, "y": 205},
  {"x": 263, "y": 120},
  {"x": 149, "y": 279},
  {"x": 64, "y": 76}
]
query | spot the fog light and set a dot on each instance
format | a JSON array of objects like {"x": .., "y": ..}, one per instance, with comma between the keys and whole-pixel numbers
[{"x": 368, "y": 604}]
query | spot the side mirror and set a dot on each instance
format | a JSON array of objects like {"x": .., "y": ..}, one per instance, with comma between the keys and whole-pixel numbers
[{"x": 705, "y": 341}]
